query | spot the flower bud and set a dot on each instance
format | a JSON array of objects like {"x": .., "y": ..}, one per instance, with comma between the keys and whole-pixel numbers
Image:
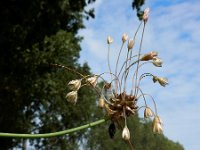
[
  {"x": 146, "y": 15},
  {"x": 109, "y": 40},
  {"x": 130, "y": 44},
  {"x": 74, "y": 85},
  {"x": 72, "y": 97},
  {"x": 124, "y": 37},
  {"x": 126, "y": 133},
  {"x": 148, "y": 112},
  {"x": 101, "y": 102},
  {"x": 157, "y": 62},
  {"x": 92, "y": 80},
  {"x": 149, "y": 56},
  {"x": 157, "y": 125}
]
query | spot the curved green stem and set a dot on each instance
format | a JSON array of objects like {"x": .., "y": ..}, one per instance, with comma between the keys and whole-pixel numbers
[{"x": 48, "y": 135}]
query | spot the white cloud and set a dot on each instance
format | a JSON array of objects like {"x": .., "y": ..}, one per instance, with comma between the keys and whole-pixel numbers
[{"x": 173, "y": 30}]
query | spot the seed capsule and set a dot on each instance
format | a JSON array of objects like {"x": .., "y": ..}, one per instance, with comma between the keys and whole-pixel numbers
[
  {"x": 72, "y": 97},
  {"x": 124, "y": 37},
  {"x": 74, "y": 85},
  {"x": 101, "y": 102},
  {"x": 109, "y": 40},
  {"x": 126, "y": 133},
  {"x": 92, "y": 80},
  {"x": 148, "y": 112}
]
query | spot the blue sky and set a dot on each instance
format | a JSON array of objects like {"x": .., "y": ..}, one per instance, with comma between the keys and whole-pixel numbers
[{"x": 173, "y": 30}]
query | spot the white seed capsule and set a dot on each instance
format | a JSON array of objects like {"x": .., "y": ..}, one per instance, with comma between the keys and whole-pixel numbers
[
  {"x": 124, "y": 37},
  {"x": 130, "y": 44},
  {"x": 157, "y": 62},
  {"x": 109, "y": 40},
  {"x": 92, "y": 80},
  {"x": 157, "y": 125},
  {"x": 74, "y": 84},
  {"x": 148, "y": 112},
  {"x": 72, "y": 97},
  {"x": 126, "y": 133},
  {"x": 163, "y": 81},
  {"x": 146, "y": 14}
]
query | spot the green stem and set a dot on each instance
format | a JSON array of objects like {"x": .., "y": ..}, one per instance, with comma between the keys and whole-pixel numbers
[{"x": 48, "y": 135}]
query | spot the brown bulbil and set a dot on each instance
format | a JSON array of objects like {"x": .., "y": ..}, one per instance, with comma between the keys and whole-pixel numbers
[{"x": 120, "y": 103}]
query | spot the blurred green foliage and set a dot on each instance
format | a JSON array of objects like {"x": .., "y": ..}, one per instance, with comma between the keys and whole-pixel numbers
[{"x": 34, "y": 34}]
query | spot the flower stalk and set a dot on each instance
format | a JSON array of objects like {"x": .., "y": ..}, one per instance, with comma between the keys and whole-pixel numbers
[{"x": 54, "y": 134}]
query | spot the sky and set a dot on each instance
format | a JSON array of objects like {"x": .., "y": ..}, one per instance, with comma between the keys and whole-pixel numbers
[{"x": 173, "y": 29}]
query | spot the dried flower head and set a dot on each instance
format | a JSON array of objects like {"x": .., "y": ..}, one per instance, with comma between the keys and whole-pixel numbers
[
  {"x": 124, "y": 37},
  {"x": 130, "y": 44},
  {"x": 92, "y": 80},
  {"x": 109, "y": 40},
  {"x": 161, "y": 80},
  {"x": 72, "y": 97},
  {"x": 74, "y": 84},
  {"x": 149, "y": 56},
  {"x": 146, "y": 14},
  {"x": 157, "y": 125},
  {"x": 126, "y": 133},
  {"x": 157, "y": 62},
  {"x": 148, "y": 112}
]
